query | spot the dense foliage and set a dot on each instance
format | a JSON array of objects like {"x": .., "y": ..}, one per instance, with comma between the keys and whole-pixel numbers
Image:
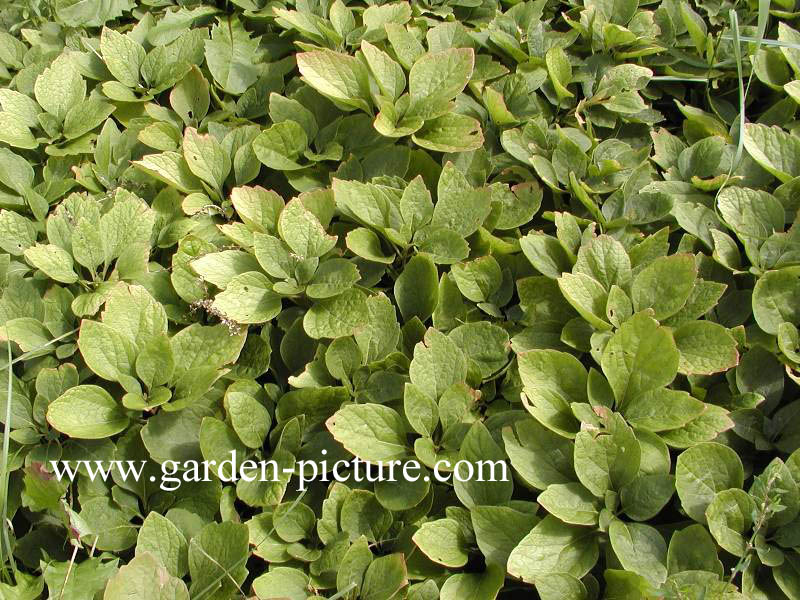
[{"x": 562, "y": 235}]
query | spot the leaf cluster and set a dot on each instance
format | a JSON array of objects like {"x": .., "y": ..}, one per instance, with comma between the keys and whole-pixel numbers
[{"x": 562, "y": 238}]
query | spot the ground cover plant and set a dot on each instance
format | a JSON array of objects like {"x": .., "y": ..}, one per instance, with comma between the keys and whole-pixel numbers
[{"x": 559, "y": 235}]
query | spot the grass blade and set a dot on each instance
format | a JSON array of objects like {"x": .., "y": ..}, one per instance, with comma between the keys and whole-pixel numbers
[
  {"x": 6, "y": 542},
  {"x": 30, "y": 353}
]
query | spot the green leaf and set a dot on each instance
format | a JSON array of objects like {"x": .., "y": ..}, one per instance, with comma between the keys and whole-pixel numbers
[
  {"x": 609, "y": 460},
  {"x": 59, "y": 87},
  {"x": 123, "y": 56},
  {"x": 389, "y": 75},
  {"x": 293, "y": 523},
  {"x": 15, "y": 133},
  {"x": 175, "y": 22},
  {"x": 372, "y": 432},
  {"x": 460, "y": 207},
  {"x": 706, "y": 427},
  {"x": 479, "y": 454},
  {"x": 546, "y": 254},
  {"x": 23, "y": 109},
  {"x": 380, "y": 335},
  {"x": 776, "y": 299},
  {"x": 479, "y": 279},
  {"x": 160, "y": 537},
  {"x": 640, "y": 549},
  {"x": 421, "y": 410},
  {"x": 405, "y": 45},
  {"x": 586, "y": 296},
  {"x": 538, "y": 455},
  {"x": 662, "y": 409},
  {"x": 554, "y": 547},
  {"x": 443, "y": 542},
  {"x": 554, "y": 586},
  {"x": 303, "y": 232},
  {"x": 705, "y": 348},
  {"x": 664, "y": 285},
  {"x": 249, "y": 418},
  {"x": 787, "y": 576},
  {"x": 53, "y": 261},
  {"x": 691, "y": 549},
  {"x": 132, "y": 311},
  {"x": 217, "y": 557},
  {"x": 751, "y": 213},
  {"x": 774, "y": 149},
  {"x": 340, "y": 77},
  {"x": 402, "y": 494},
  {"x": 171, "y": 168},
  {"x": 107, "y": 351},
  {"x": 444, "y": 246},
  {"x": 229, "y": 55},
  {"x": 281, "y": 145},
  {"x": 285, "y": 109},
  {"x": 17, "y": 233},
  {"x": 641, "y": 356},
  {"x": 79, "y": 581},
  {"x": 416, "y": 206},
  {"x": 701, "y": 472},
  {"x": 450, "y": 132},
  {"x": 364, "y": 243},
  {"x": 384, "y": 577},
  {"x": 257, "y": 207},
  {"x": 220, "y": 268},
  {"x": 190, "y": 97},
  {"x": 438, "y": 363},
  {"x": 205, "y": 346},
  {"x": 86, "y": 412},
  {"x": 353, "y": 565},
  {"x": 498, "y": 530},
  {"x": 144, "y": 576},
  {"x": 248, "y": 298},
  {"x": 646, "y": 496},
  {"x": 338, "y": 316},
  {"x": 704, "y": 297},
  {"x": 29, "y": 334},
  {"x": 416, "y": 290},
  {"x": 571, "y": 503},
  {"x": 427, "y": 590},
  {"x": 730, "y": 518},
  {"x": 333, "y": 277},
  {"x": 282, "y": 582},
  {"x": 484, "y": 343},
  {"x": 520, "y": 205},
  {"x": 437, "y": 76},
  {"x": 206, "y": 157},
  {"x": 110, "y": 525},
  {"x": 126, "y": 228},
  {"x": 551, "y": 381},
  {"x": 84, "y": 117},
  {"x": 560, "y": 71},
  {"x": 217, "y": 442},
  {"x": 474, "y": 586},
  {"x": 606, "y": 261},
  {"x": 28, "y": 587}
]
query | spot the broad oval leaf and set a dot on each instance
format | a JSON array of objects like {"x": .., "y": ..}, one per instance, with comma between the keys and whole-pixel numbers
[{"x": 87, "y": 412}]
